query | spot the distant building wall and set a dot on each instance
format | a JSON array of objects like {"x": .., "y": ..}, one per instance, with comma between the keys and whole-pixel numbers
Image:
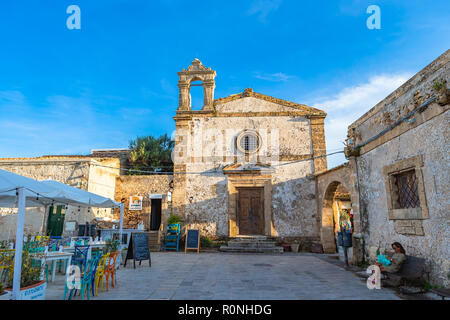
[
  {"x": 144, "y": 186},
  {"x": 78, "y": 171}
]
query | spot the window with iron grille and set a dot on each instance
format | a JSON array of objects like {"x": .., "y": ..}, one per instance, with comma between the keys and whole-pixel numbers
[
  {"x": 248, "y": 142},
  {"x": 407, "y": 190}
]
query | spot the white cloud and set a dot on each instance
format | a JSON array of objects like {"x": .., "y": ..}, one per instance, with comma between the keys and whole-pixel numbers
[
  {"x": 363, "y": 96},
  {"x": 274, "y": 77},
  {"x": 263, "y": 7},
  {"x": 351, "y": 103}
]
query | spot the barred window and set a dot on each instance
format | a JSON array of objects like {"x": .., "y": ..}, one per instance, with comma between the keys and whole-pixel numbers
[
  {"x": 407, "y": 191},
  {"x": 248, "y": 142}
]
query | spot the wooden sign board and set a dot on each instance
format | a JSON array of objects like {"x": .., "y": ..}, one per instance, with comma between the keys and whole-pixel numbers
[
  {"x": 192, "y": 240},
  {"x": 138, "y": 249}
]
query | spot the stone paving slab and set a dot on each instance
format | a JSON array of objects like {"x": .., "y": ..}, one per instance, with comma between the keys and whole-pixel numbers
[{"x": 228, "y": 276}]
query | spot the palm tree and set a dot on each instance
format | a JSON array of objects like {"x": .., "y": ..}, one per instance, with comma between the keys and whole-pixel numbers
[{"x": 151, "y": 154}]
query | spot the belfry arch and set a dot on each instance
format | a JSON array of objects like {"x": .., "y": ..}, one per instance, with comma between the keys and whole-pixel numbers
[{"x": 196, "y": 72}]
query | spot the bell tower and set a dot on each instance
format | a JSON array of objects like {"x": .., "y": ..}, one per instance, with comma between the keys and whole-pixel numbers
[{"x": 196, "y": 72}]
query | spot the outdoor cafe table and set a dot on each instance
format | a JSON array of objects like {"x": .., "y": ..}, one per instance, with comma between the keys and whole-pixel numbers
[
  {"x": 91, "y": 245},
  {"x": 53, "y": 256}
]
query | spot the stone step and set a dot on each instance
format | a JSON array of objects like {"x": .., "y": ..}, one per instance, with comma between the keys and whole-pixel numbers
[
  {"x": 251, "y": 244},
  {"x": 251, "y": 249},
  {"x": 250, "y": 238}
]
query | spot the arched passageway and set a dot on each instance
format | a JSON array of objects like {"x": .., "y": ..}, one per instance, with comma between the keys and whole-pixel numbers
[{"x": 337, "y": 215}]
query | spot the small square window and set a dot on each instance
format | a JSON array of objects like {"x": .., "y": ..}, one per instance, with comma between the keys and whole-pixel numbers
[{"x": 407, "y": 190}]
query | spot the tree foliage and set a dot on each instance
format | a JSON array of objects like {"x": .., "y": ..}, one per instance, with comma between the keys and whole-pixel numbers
[{"x": 151, "y": 154}]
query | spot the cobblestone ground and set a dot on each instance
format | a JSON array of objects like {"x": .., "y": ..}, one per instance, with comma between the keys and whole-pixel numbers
[{"x": 233, "y": 276}]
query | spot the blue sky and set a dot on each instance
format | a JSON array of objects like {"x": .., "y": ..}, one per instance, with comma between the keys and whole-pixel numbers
[{"x": 69, "y": 91}]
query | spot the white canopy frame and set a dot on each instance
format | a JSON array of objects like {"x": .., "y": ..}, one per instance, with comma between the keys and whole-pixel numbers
[{"x": 26, "y": 192}]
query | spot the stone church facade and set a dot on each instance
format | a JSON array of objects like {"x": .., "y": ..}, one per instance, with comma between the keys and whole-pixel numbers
[{"x": 243, "y": 164}]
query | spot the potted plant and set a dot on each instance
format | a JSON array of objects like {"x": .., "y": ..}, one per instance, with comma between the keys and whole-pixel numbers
[
  {"x": 31, "y": 286},
  {"x": 4, "y": 295}
]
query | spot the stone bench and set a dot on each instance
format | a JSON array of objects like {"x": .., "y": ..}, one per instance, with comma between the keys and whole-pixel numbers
[
  {"x": 412, "y": 272},
  {"x": 444, "y": 293}
]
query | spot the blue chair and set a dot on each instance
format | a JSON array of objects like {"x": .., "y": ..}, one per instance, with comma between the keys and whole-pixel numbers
[
  {"x": 55, "y": 242},
  {"x": 172, "y": 237},
  {"x": 80, "y": 256},
  {"x": 53, "y": 245}
]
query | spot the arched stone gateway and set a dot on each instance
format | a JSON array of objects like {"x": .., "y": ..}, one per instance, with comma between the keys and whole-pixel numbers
[
  {"x": 335, "y": 199},
  {"x": 336, "y": 193}
]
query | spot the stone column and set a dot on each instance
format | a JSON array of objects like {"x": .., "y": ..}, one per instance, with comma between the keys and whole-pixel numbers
[
  {"x": 208, "y": 94},
  {"x": 184, "y": 99}
]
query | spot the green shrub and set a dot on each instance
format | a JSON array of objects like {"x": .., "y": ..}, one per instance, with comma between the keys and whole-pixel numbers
[
  {"x": 111, "y": 246},
  {"x": 30, "y": 274},
  {"x": 4, "y": 244},
  {"x": 438, "y": 85},
  {"x": 174, "y": 219},
  {"x": 206, "y": 242}
]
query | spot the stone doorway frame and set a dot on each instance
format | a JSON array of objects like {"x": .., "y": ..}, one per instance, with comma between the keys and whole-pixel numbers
[{"x": 248, "y": 180}]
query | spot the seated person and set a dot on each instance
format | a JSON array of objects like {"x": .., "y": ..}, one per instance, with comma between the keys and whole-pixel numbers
[{"x": 398, "y": 258}]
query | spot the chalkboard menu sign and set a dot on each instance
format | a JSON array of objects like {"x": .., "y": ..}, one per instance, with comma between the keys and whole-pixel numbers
[
  {"x": 138, "y": 249},
  {"x": 192, "y": 240}
]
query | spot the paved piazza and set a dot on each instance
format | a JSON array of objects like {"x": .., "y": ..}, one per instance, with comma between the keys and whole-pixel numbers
[{"x": 228, "y": 276}]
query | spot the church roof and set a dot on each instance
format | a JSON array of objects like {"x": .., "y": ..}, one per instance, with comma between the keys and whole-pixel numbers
[{"x": 250, "y": 93}]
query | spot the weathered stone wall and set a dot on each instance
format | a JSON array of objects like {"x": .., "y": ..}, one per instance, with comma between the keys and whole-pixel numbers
[
  {"x": 34, "y": 219},
  {"x": 127, "y": 186},
  {"x": 421, "y": 142},
  {"x": 433, "y": 145},
  {"x": 206, "y": 144},
  {"x": 81, "y": 172},
  {"x": 122, "y": 154}
]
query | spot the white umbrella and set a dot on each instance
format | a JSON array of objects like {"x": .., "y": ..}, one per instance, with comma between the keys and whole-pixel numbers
[
  {"x": 85, "y": 197},
  {"x": 20, "y": 191},
  {"x": 36, "y": 194}
]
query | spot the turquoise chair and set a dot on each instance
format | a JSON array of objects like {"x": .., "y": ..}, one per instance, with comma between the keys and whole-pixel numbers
[
  {"x": 85, "y": 283},
  {"x": 172, "y": 237},
  {"x": 36, "y": 247}
]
